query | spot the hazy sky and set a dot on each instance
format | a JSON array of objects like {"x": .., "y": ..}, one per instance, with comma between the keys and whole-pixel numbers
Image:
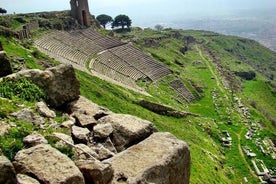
[{"x": 144, "y": 11}]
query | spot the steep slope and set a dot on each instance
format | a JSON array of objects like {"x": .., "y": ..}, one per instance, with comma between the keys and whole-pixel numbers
[{"x": 226, "y": 105}]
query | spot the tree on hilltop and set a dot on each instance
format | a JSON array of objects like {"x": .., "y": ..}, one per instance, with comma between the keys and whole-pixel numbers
[
  {"x": 3, "y": 11},
  {"x": 121, "y": 20},
  {"x": 158, "y": 27},
  {"x": 104, "y": 19}
]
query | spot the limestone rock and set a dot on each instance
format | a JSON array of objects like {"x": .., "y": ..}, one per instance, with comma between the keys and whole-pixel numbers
[
  {"x": 85, "y": 106},
  {"x": 60, "y": 83},
  {"x": 108, "y": 144},
  {"x": 25, "y": 179},
  {"x": 44, "y": 110},
  {"x": 48, "y": 165},
  {"x": 67, "y": 124},
  {"x": 103, "y": 153},
  {"x": 4, "y": 128},
  {"x": 102, "y": 130},
  {"x": 34, "y": 139},
  {"x": 29, "y": 116},
  {"x": 83, "y": 152},
  {"x": 84, "y": 120},
  {"x": 95, "y": 171},
  {"x": 128, "y": 130},
  {"x": 5, "y": 65},
  {"x": 161, "y": 158},
  {"x": 7, "y": 172},
  {"x": 80, "y": 134}
]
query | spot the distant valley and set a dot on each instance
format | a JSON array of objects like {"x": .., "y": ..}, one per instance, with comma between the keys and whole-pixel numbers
[{"x": 259, "y": 25}]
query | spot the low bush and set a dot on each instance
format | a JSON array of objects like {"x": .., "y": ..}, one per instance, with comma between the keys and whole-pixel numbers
[{"x": 21, "y": 88}]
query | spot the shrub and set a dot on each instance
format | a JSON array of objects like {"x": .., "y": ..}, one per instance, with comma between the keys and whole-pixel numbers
[
  {"x": 21, "y": 88},
  {"x": 12, "y": 142}
]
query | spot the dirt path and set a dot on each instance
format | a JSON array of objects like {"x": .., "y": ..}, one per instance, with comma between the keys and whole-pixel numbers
[
  {"x": 207, "y": 62},
  {"x": 243, "y": 156}
]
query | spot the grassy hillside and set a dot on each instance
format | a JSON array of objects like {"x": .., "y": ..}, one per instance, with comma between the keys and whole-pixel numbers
[{"x": 205, "y": 62}]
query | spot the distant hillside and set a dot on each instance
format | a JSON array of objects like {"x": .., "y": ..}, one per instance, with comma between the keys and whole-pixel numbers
[{"x": 224, "y": 86}]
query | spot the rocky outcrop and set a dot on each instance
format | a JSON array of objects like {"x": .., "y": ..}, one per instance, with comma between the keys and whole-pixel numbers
[
  {"x": 128, "y": 130},
  {"x": 60, "y": 83},
  {"x": 47, "y": 165},
  {"x": 5, "y": 65},
  {"x": 162, "y": 109},
  {"x": 246, "y": 75},
  {"x": 7, "y": 172},
  {"x": 161, "y": 158}
]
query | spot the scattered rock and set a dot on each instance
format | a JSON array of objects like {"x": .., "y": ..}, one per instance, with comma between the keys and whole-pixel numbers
[
  {"x": 29, "y": 116},
  {"x": 80, "y": 134},
  {"x": 60, "y": 83},
  {"x": 67, "y": 124},
  {"x": 85, "y": 106},
  {"x": 102, "y": 131},
  {"x": 34, "y": 139},
  {"x": 7, "y": 172},
  {"x": 48, "y": 165},
  {"x": 84, "y": 120},
  {"x": 84, "y": 152},
  {"x": 5, "y": 65},
  {"x": 25, "y": 179},
  {"x": 128, "y": 130},
  {"x": 161, "y": 158},
  {"x": 95, "y": 171},
  {"x": 4, "y": 128},
  {"x": 44, "y": 110}
]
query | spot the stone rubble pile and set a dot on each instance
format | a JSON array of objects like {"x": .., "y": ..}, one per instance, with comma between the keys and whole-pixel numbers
[{"x": 107, "y": 147}]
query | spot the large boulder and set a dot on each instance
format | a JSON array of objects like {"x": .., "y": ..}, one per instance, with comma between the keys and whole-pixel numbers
[
  {"x": 60, "y": 83},
  {"x": 7, "y": 172},
  {"x": 95, "y": 171},
  {"x": 127, "y": 130},
  {"x": 48, "y": 165},
  {"x": 5, "y": 65},
  {"x": 85, "y": 106},
  {"x": 161, "y": 158}
]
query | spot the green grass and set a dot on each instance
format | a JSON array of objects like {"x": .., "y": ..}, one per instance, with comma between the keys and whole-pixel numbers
[
  {"x": 21, "y": 88},
  {"x": 259, "y": 92}
]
